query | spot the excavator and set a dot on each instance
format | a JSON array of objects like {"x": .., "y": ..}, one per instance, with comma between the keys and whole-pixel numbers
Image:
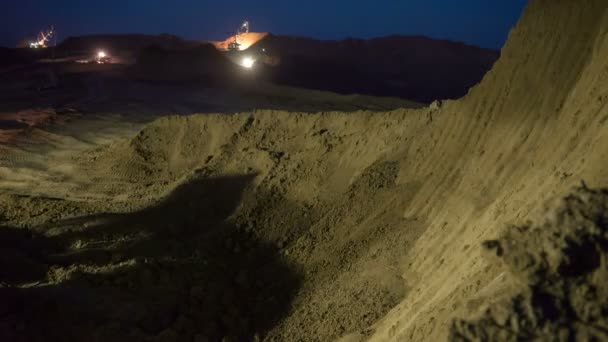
[
  {"x": 43, "y": 38},
  {"x": 236, "y": 45},
  {"x": 240, "y": 52}
]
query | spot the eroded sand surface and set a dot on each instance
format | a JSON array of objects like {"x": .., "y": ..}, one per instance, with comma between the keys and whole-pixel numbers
[
  {"x": 292, "y": 226},
  {"x": 561, "y": 265}
]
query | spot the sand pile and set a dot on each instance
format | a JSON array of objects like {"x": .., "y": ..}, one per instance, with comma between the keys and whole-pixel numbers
[
  {"x": 535, "y": 126},
  {"x": 562, "y": 264},
  {"x": 372, "y": 223}
]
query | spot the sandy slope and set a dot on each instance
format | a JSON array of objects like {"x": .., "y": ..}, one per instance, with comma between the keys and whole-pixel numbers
[
  {"x": 561, "y": 264},
  {"x": 534, "y": 127},
  {"x": 375, "y": 220}
]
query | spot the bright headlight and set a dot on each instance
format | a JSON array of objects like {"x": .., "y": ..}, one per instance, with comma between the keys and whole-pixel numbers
[{"x": 247, "y": 62}]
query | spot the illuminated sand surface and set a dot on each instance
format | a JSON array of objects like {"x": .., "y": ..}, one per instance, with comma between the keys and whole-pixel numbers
[{"x": 291, "y": 225}]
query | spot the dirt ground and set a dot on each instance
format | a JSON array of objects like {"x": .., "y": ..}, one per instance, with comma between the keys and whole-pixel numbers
[
  {"x": 561, "y": 265},
  {"x": 167, "y": 213},
  {"x": 80, "y": 231}
]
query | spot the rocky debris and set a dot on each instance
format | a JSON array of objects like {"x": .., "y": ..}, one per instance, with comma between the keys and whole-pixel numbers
[{"x": 563, "y": 264}]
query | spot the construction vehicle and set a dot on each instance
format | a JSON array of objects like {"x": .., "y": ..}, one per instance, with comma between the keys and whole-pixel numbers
[
  {"x": 43, "y": 38},
  {"x": 102, "y": 57},
  {"x": 236, "y": 44}
]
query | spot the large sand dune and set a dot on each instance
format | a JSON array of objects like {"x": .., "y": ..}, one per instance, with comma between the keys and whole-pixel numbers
[{"x": 360, "y": 225}]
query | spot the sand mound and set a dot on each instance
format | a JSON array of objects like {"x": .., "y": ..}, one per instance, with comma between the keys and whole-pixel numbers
[
  {"x": 563, "y": 265},
  {"x": 534, "y": 126},
  {"x": 379, "y": 217}
]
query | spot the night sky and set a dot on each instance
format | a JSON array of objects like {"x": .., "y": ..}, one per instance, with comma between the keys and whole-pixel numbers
[{"x": 480, "y": 22}]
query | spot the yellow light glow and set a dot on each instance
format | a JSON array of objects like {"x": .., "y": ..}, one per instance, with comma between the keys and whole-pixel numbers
[{"x": 247, "y": 62}]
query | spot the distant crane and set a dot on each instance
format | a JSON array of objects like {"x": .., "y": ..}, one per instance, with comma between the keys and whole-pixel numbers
[
  {"x": 244, "y": 27},
  {"x": 236, "y": 44},
  {"x": 43, "y": 37}
]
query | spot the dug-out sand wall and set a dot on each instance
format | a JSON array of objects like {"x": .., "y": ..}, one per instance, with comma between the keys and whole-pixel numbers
[{"x": 535, "y": 126}]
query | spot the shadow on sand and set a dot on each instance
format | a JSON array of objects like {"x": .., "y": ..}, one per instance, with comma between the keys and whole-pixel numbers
[{"x": 178, "y": 271}]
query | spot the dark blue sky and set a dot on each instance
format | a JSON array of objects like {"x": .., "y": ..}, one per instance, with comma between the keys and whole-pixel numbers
[{"x": 480, "y": 22}]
